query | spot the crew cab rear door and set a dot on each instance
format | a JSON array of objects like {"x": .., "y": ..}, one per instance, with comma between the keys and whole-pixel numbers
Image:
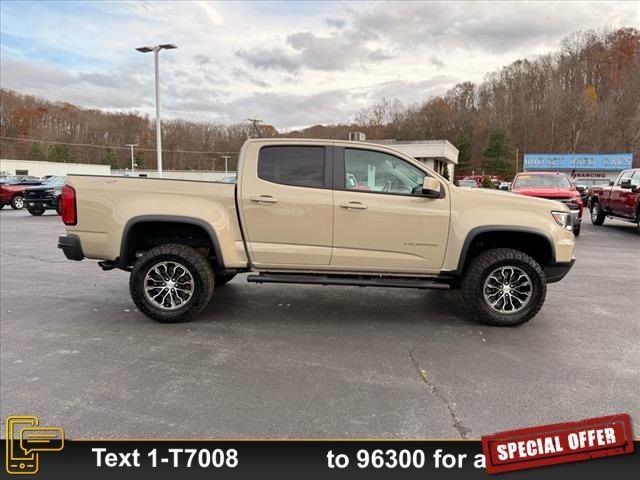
[
  {"x": 382, "y": 223},
  {"x": 286, "y": 202}
]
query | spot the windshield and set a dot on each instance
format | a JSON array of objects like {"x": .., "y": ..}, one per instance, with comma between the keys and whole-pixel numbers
[
  {"x": 542, "y": 181},
  {"x": 55, "y": 182}
]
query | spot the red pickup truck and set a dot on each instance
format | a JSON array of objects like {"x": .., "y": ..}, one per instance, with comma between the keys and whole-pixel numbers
[
  {"x": 552, "y": 186},
  {"x": 621, "y": 199}
]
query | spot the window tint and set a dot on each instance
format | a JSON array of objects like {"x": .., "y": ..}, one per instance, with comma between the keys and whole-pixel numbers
[
  {"x": 371, "y": 171},
  {"x": 635, "y": 180},
  {"x": 531, "y": 180},
  {"x": 292, "y": 165}
]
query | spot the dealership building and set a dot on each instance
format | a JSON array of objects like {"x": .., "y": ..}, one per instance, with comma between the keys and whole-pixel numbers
[
  {"x": 586, "y": 168},
  {"x": 439, "y": 155}
]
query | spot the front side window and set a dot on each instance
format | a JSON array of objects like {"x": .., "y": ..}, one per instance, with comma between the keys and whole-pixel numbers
[
  {"x": 625, "y": 176},
  {"x": 377, "y": 172},
  {"x": 301, "y": 166}
]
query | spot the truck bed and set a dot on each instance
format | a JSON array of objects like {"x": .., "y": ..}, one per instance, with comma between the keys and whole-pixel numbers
[{"x": 105, "y": 204}]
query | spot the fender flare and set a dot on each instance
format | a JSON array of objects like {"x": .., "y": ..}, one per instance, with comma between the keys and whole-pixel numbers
[
  {"x": 171, "y": 219},
  {"x": 474, "y": 232}
]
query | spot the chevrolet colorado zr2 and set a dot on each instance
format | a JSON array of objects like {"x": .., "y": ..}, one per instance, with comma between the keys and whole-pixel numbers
[{"x": 319, "y": 212}]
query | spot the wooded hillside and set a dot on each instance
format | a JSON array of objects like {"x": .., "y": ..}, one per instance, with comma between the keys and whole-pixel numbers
[{"x": 583, "y": 98}]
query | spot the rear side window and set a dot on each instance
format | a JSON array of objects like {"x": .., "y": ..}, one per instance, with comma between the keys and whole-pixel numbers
[{"x": 293, "y": 165}]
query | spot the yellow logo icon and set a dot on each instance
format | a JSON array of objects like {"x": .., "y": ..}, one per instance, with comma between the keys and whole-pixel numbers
[{"x": 25, "y": 441}]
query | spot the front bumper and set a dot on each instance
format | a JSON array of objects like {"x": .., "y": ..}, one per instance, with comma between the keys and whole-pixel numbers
[
  {"x": 557, "y": 271},
  {"x": 71, "y": 247},
  {"x": 46, "y": 203}
]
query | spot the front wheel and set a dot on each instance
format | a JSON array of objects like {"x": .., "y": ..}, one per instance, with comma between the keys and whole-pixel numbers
[
  {"x": 503, "y": 287},
  {"x": 36, "y": 212},
  {"x": 171, "y": 283},
  {"x": 597, "y": 214},
  {"x": 17, "y": 202}
]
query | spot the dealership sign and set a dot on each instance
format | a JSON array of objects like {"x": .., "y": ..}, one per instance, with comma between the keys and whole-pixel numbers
[{"x": 577, "y": 161}]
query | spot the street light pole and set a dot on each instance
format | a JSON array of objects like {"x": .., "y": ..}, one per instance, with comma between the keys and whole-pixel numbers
[
  {"x": 156, "y": 56},
  {"x": 226, "y": 164},
  {"x": 131, "y": 145}
]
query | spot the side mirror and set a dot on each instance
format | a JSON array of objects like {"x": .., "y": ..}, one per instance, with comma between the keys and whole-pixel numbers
[
  {"x": 430, "y": 187},
  {"x": 581, "y": 188},
  {"x": 626, "y": 183},
  {"x": 611, "y": 183}
]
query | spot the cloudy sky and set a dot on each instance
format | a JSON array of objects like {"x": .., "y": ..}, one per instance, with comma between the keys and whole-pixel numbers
[{"x": 290, "y": 63}]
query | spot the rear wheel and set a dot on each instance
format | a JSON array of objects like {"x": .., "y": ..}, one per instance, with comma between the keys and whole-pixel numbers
[
  {"x": 597, "y": 214},
  {"x": 171, "y": 283},
  {"x": 36, "y": 212},
  {"x": 59, "y": 206},
  {"x": 17, "y": 202},
  {"x": 1, "y": 206},
  {"x": 503, "y": 287},
  {"x": 223, "y": 278}
]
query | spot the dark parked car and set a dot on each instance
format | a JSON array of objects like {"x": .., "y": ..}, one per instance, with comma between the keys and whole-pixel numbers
[
  {"x": 20, "y": 180},
  {"x": 44, "y": 197}
]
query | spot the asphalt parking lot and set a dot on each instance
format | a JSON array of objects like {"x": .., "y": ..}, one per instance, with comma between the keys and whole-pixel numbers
[{"x": 270, "y": 361}]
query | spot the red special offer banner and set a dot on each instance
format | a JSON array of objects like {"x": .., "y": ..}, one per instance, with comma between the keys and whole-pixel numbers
[{"x": 558, "y": 443}]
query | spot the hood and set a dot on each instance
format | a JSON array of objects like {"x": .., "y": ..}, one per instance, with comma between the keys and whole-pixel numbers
[
  {"x": 41, "y": 187},
  {"x": 491, "y": 197},
  {"x": 12, "y": 187},
  {"x": 547, "y": 192}
]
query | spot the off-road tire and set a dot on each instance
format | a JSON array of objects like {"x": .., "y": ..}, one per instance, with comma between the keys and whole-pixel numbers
[
  {"x": 17, "y": 202},
  {"x": 481, "y": 267},
  {"x": 36, "y": 212},
  {"x": 223, "y": 278},
  {"x": 597, "y": 214},
  {"x": 198, "y": 268}
]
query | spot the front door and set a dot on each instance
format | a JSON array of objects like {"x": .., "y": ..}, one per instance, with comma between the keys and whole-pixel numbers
[
  {"x": 287, "y": 205},
  {"x": 620, "y": 197},
  {"x": 381, "y": 221}
]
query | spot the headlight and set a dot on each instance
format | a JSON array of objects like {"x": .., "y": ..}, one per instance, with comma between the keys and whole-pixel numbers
[{"x": 563, "y": 219}]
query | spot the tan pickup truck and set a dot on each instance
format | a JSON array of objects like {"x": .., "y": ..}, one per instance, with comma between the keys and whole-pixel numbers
[{"x": 319, "y": 212}]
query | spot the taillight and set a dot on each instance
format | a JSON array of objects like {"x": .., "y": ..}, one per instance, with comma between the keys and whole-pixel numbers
[{"x": 68, "y": 205}]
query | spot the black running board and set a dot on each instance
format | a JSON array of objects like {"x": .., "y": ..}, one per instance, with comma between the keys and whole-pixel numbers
[{"x": 349, "y": 280}]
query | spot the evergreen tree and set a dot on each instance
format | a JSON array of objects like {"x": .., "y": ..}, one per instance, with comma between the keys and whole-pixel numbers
[
  {"x": 138, "y": 158},
  {"x": 463, "y": 143},
  {"x": 108, "y": 157},
  {"x": 36, "y": 152},
  {"x": 498, "y": 154},
  {"x": 60, "y": 153}
]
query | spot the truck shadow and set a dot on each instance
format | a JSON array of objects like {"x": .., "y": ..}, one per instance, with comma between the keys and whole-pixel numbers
[
  {"x": 239, "y": 300},
  {"x": 624, "y": 228}
]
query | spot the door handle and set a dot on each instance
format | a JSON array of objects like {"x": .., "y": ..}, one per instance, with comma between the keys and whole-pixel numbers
[
  {"x": 264, "y": 199},
  {"x": 354, "y": 205}
]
